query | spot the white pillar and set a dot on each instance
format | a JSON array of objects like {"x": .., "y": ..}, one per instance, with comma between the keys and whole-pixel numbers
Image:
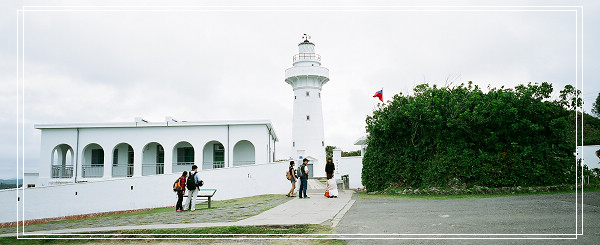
[
  {"x": 337, "y": 159},
  {"x": 198, "y": 158},
  {"x": 137, "y": 162},
  {"x": 168, "y": 159},
  {"x": 108, "y": 157}
]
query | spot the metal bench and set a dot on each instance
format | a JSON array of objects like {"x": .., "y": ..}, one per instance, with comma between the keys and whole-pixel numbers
[{"x": 205, "y": 193}]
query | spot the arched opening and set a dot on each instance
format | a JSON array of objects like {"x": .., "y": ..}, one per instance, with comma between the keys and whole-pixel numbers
[
  {"x": 93, "y": 161},
  {"x": 243, "y": 153},
  {"x": 183, "y": 157},
  {"x": 213, "y": 155},
  {"x": 153, "y": 159},
  {"x": 122, "y": 162},
  {"x": 62, "y": 161}
]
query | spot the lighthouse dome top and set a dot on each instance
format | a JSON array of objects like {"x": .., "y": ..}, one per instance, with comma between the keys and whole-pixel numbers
[
  {"x": 306, "y": 53},
  {"x": 306, "y": 42},
  {"x": 306, "y": 47}
]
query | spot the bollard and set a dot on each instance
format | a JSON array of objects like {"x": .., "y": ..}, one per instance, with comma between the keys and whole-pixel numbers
[{"x": 346, "y": 181}]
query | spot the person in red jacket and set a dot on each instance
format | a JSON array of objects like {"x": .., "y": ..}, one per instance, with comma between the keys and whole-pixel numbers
[{"x": 182, "y": 181}]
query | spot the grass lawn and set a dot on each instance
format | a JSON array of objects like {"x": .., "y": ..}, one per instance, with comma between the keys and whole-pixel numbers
[
  {"x": 278, "y": 235},
  {"x": 221, "y": 211}
]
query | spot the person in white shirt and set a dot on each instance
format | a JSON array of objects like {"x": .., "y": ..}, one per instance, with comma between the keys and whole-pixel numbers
[
  {"x": 332, "y": 186},
  {"x": 192, "y": 192}
]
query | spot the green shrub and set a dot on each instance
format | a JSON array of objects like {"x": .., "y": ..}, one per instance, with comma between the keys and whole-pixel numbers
[{"x": 505, "y": 137}]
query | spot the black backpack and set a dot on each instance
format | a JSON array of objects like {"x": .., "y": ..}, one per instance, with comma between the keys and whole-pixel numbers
[
  {"x": 299, "y": 172},
  {"x": 191, "y": 182}
]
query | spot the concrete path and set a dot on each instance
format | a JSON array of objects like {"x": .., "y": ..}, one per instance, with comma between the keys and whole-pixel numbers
[
  {"x": 314, "y": 210},
  {"x": 536, "y": 219}
]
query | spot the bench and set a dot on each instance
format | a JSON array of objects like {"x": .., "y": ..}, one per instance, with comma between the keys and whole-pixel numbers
[{"x": 205, "y": 193}]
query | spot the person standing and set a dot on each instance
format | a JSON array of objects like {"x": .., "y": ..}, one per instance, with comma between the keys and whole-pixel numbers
[
  {"x": 192, "y": 186},
  {"x": 303, "y": 179},
  {"x": 293, "y": 179},
  {"x": 329, "y": 167},
  {"x": 182, "y": 179}
]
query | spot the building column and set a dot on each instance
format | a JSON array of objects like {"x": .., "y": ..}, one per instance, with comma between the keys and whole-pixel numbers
[
  {"x": 108, "y": 157},
  {"x": 168, "y": 160},
  {"x": 78, "y": 163},
  {"x": 137, "y": 161},
  {"x": 198, "y": 157},
  {"x": 337, "y": 158}
]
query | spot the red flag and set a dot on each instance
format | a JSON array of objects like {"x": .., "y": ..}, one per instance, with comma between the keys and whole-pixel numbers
[{"x": 379, "y": 95}]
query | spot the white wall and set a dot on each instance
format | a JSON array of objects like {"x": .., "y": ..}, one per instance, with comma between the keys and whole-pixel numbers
[
  {"x": 588, "y": 153},
  {"x": 138, "y": 137},
  {"x": 352, "y": 166},
  {"x": 148, "y": 192}
]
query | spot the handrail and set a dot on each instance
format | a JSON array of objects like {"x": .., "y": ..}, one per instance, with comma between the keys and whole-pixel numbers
[
  {"x": 153, "y": 168},
  {"x": 236, "y": 163},
  {"x": 215, "y": 164},
  {"x": 183, "y": 163},
  {"x": 306, "y": 56},
  {"x": 62, "y": 171},
  {"x": 122, "y": 170},
  {"x": 92, "y": 170}
]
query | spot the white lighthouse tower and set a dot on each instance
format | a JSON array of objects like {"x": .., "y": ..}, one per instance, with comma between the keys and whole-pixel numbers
[{"x": 307, "y": 78}]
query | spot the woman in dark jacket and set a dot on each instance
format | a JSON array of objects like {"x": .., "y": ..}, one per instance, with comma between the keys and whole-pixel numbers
[
  {"x": 182, "y": 181},
  {"x": 329, "y": 167}
]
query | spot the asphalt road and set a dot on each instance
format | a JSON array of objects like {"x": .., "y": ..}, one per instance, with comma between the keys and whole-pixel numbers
[{"x": 525, "y": 216}]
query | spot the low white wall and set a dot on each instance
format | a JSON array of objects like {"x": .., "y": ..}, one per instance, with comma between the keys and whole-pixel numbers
[
  {"x": 148, "y": 192},
  {"x": 588, "y": 153},
  {"x": 352, "y": 166}
]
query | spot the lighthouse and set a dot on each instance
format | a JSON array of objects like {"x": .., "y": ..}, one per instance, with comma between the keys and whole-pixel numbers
[{"x": 307, "y": 78}]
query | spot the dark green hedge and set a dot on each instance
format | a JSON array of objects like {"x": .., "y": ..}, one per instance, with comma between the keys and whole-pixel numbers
[{"x": 505, "y": 137}]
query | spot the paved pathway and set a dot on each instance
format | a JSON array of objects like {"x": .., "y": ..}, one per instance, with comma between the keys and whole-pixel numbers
[
  {"x": 314, "y": 210},
  {"x": 424, "y": 218}
]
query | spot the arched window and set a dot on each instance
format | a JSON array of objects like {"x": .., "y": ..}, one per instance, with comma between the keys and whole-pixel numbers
[
  {"x": 93, "y": 161},
  {"x": 62, "y": 161},
  {"x": 123, "y": 157},
  {"x": 183, "y": 157},
  {"x": 153, "y": 159},
  {"x": 243, "y": 153},
  {"x": 213, "y": 155}
]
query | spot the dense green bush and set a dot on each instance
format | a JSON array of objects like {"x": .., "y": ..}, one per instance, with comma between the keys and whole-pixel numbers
[
  {"x": 449, "y": 135},
  {"x": 591, "y": 129}
]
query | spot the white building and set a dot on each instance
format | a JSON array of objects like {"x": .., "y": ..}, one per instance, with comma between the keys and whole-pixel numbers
[
  {"x": 307, "y": 77},
  {"x": 135, "y": 163},
  {"x": 100, "y": 151}
]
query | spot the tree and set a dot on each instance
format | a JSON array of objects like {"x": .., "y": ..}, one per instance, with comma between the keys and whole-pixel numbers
[
  {"x": 505, "y": 137},
  {"x": 329, "y": 151},
  {"x": 570, "y": 97},
  {"x": 596, "y": 106},
  {"x": 351, "y": 153}
]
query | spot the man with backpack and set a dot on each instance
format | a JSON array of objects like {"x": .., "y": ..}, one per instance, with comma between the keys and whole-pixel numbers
[
  {"x": 192, "y": 185},
  {"x": 303, "y": 174}
]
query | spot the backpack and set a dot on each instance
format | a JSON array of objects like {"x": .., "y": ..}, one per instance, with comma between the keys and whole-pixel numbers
[
  {"x": 191, "y": 182},
  {"x": 299, "y": 172},
  {"x": 288, "y": 175},
  {"x": 176, "y": 185}
]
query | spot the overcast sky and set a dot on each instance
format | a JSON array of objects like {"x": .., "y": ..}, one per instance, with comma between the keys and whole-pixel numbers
[{"x": 229, "y": 63}]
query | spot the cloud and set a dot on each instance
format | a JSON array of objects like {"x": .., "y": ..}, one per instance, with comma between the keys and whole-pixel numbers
[{"x": 229, "y": 65}]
